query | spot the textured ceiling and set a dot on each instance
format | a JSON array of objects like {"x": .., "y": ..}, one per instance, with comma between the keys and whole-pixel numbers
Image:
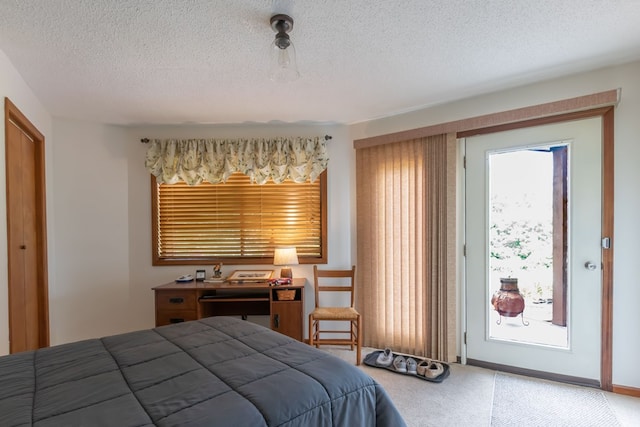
[{"x": 196, "y": 61}]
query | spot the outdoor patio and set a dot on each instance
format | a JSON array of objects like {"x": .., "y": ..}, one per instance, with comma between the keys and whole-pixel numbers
[{"x": 539, "y": 331}]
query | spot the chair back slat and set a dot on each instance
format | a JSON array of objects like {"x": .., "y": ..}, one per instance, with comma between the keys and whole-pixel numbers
[
  {"x": 334, "y": 273},
  {"x": 335, "y": 288}
]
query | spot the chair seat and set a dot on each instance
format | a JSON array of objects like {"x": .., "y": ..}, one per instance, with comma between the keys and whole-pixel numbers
[{"x": 335, "y": 313}]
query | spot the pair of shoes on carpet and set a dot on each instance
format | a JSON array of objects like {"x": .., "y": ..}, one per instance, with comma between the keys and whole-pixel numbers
[
  {"x": 400, "y": 364},
  {"x": 430, "y": 369},
  {"x": 405, "y": 365}
]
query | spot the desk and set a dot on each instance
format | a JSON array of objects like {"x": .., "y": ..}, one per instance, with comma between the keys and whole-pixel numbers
[{"x": 181, "y": 302}]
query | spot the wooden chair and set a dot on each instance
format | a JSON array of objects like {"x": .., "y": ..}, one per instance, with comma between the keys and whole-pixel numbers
[{"x": 342, "y": 314}]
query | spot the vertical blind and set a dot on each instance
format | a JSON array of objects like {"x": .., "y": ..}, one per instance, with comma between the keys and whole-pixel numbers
[
  {"x": 406, "y": 237},
  {"x": 239, "y": 221}
]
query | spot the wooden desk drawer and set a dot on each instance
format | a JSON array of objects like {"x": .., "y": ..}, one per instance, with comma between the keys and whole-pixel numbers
[
  {"x": 168, "y": 317},
  {"x": 176, "y": 300}
]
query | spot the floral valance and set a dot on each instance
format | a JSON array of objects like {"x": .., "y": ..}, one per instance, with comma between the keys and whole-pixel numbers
[{"x": 214, "y": 160}]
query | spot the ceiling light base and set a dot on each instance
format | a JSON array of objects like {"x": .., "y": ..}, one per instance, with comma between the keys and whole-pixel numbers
[{"x": 281, "y": 23}]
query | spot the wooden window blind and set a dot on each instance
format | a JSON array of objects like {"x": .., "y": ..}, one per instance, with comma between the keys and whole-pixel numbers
[{"x": 238, "y": 222}]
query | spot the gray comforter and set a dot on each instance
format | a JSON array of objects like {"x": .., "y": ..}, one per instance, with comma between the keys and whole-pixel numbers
[{"x": 218, "y": 371}]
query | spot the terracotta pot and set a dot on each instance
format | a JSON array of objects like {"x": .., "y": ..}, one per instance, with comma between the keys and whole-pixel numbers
[{"x": 508, "y": 301}]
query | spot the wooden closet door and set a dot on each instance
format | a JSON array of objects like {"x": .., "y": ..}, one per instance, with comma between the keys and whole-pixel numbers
[{"x": 28, "y": 305}]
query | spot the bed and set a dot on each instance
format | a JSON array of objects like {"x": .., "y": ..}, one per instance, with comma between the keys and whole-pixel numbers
[{"x": 218, "y": 371}]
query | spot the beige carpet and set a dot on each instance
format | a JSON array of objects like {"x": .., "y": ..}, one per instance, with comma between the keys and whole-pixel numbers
[
  {"x": 519, "y": 401},
  {"x": 473, "y": 396}
]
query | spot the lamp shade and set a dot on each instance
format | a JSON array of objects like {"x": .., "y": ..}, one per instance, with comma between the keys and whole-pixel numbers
[
  {"x": 283, "y": 66},
  {"x": 285, "y": 256}
]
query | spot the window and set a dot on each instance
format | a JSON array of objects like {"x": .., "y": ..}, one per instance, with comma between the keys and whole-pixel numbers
[{"x": 238, "y": 222}]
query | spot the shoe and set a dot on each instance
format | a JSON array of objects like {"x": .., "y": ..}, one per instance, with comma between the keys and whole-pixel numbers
[
  {"x": 433, "y": 370},
  {"x": 412, "y": 366},
  {"x": 422, "y": 366},
  {"x": 400, "y": 364},
  {"x": 385, "y": 358}
]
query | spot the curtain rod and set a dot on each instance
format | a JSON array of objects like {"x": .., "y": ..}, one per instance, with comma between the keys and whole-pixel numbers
[{"x": 147, "y": 140}]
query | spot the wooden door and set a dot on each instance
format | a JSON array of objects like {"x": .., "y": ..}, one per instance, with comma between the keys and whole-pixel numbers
[{"x": 26, "y": 233}]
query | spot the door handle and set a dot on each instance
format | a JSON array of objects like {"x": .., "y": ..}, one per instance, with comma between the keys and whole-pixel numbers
[{"x": 590, "y": 266}]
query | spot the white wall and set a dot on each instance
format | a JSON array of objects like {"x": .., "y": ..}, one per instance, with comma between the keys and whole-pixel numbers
[
  {"x": 626, "y": 340},
  {"x": 14, "y": 87},
  {"x": 92, "y": 295}
]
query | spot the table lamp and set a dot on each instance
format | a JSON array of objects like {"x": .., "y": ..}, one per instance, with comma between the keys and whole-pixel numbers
[{"x": 285, "y": 256}]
